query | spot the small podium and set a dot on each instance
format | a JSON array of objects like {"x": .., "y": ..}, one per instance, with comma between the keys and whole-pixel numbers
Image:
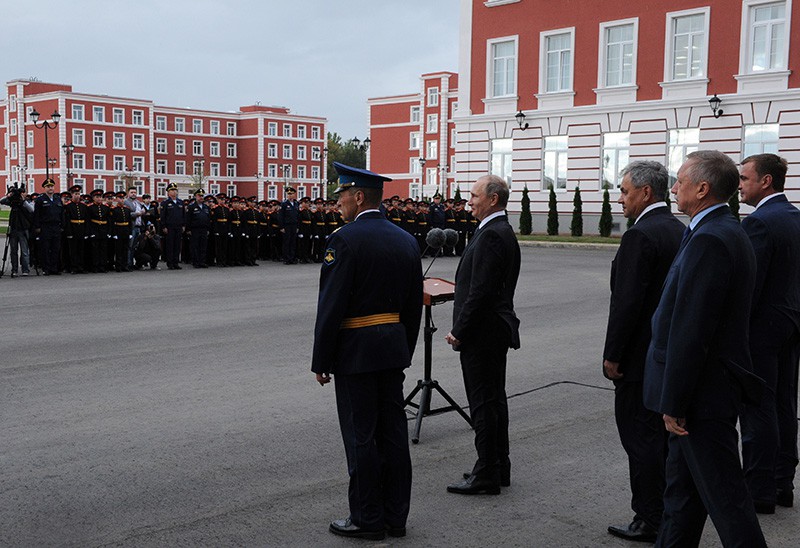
[{"x": 435, "y": 291}]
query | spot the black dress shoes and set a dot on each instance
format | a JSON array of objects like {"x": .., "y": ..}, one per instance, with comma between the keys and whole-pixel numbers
[
  {"x": 505, "y": 476},
  {"x": 638, "y": 531},
  {"x": 345, "y": 528},
  {"x": 474, "y": 485},
  {"x": 764, "y": 507},
  {"x": 785, "y": 498},
  {"x": 396, "y": 532}
]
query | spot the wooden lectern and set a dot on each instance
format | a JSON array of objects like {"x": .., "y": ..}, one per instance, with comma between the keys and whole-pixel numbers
[{"x": 435, "y": 291}]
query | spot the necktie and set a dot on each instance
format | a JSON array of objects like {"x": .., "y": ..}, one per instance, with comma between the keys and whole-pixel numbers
[{"x": 686, "y": 234}]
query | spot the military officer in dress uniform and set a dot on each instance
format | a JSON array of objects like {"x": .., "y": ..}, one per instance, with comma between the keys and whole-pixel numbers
[
  {"x": 289, "y": 219},
  {"x": 98, "y": 214},
  {"x": 173, "y": 221},
  {"x": 275, "y": 236},
  {"x": 198, "y": 223},
  {"x": 76, "y": 215},
  {"x": 121, "y": 231},
  {"x": 449, "y": 222},
  {"x": 368, "y": 318},
  {"x": 318, "y": 230},
  {"x": 48, "y": 219},
  {"x": 250, "y": 230},
  {"x": 221, "y": 229},
  {"x": 304, "y": 231},
  {"x": 462, "y": 225}
]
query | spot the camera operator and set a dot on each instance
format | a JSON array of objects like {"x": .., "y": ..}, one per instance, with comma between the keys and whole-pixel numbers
[
  {"x": 18, "y": 228},
  {"x": 147, "y": 248}
]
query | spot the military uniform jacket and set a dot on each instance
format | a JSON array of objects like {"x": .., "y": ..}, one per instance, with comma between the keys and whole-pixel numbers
[
  {"x": 410, "y": 221},
  {"x": 121, "y": 222},
  {"x": 48, "y": 215},
  {"x": 249, "y": 222},
  {"x": 75, "y": 219},
  {"x": 289, "y": 213},
  {"x": 306, "y": 221},
  {"x": 236, "y": 223},
  {"x": 220, "y": 219},
  {"x": 437, "y": 215},
  {"x": 99, "y": 216},
  {"x": 395, "y": 216},
  {"x": 318, "y": 219},
  {"x": 198, "y": 216},
  {"x": 371, "y": 279},
  {"x": 172, "y": 213}
]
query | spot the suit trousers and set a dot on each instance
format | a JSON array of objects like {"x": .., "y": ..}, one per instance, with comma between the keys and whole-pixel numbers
[
  {"x": 290, "y": 243},
  {"x": 483, "y": 365},
  {"x": 374, "y": 426},
  {"x": 199, "y": 243},
  {"x": 644, "y": 439},
  {"x": 49, "y": 241},
  {"x": 705, "y": 478},
  {"x": 172, "y": 251}
]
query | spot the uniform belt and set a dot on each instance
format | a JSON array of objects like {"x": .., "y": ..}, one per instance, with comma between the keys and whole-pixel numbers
[
  {"x": 450, "y": 220},
  {"x": 320, "y": 224},
  {"x": 237, "y": 222},
  {"x": 77, "y": 221},
  {"x": 252, "y": 222},
  {"x": 423, "y": 223},
  {"x": 99, "y": 222},
  {"x": 221, "y": 220},
  {"x": 306, "y": 222},
  {"x": 373, "y": 319},
  {"x": 122, "y": 224}
]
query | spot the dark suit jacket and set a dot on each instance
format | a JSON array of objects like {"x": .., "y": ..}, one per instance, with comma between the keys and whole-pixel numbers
[
  {"x": 638, "y": 271},
  {"x": 774, "y": 230},
  {"x": 369, "y": 267},
  {"x": 698, "y": 363},
  {"x": 486, "y": 279}
]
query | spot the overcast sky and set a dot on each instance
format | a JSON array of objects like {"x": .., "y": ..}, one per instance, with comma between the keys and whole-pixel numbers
[{"x": 317, "y": 57}]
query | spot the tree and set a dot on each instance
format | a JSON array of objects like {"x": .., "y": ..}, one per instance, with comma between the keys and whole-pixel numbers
[
  {"x": 345, "y": 152},
  {"x": 552, "y": 214},
  {"x": 576, "y": 226},
  {"x": 734, "y": 205},
  {"x": 606, "y": 220},
  {"x": 525, "y": 215},
  {"x": 198, "y": 177},
  {"x": 457, "y": 197}
]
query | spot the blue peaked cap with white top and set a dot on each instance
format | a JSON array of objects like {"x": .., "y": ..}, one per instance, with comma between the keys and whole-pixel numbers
[{"x": 350, "y": 177}]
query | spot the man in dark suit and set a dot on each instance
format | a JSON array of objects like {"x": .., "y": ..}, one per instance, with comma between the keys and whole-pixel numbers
[
  {"x": 698, "y": 365},
  {"x": 368, "y": 317},
  {"x": 769, "y": 429},
  {"x": 484, "y": 328},
  {"x": 638, "y": 271},
  {"x": 48, "y": 222}
]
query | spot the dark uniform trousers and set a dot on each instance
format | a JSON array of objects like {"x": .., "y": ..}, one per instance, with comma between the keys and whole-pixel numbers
[
  {"x": 174, "y": 239},
  {"x": 289, "y": 243},
  {"x": 49, "y": 240},
  {"x": 199, "y": 245},
  {"x": 380, "y": 472}
]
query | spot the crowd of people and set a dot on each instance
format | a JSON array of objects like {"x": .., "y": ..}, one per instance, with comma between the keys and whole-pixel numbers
[{"x": 119, "y": 232}]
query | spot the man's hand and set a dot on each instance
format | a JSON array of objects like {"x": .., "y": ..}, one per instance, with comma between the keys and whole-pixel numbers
[
  {"x": 675, "y": 425},
  {"x": 323, "y": 378},
  {"x": 611, "y": 369},
  {"x": 452, "y": 341}
]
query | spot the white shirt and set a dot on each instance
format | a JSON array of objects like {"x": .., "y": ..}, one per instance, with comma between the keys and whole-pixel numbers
[
  {"x": 651, "y": 207},
  {"x": 366, "y": 211},
  {"x": 490, "y": 217},
  {"x": 766, "y": 198},
  {"x": 699, "y": 217}
]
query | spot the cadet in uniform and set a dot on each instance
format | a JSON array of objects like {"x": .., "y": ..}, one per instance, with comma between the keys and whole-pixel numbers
[
  {"x": 173, "y": 221},
  {"x": 98, "y": 214},
  {"x": 462, "y": 225},
  {"x": 289, "y": 219},
  {"x": 121, "y": 230},
  {"x": 304, "y": 231},
  {"x": 222, "y": 233},
  {"x": 318, "y": 230},
  {"x": 75, "y": 217},
  {"x": 250, "y": 231},
  {"x": 368, "y": 318}
]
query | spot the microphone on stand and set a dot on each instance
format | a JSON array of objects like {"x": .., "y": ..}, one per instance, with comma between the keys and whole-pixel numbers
[
  {"x": 451, "y": 237},
  {"x": 435, "y": 239}
]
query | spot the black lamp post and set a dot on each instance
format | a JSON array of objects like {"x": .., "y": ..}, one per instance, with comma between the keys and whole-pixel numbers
[
  {"x": 21, "y": 175},
  {"x": 68, "y": 150},
  {"x": 45, "y": 125},
  {"x": 443, "y": 182},
  {"x": 322, "y": 155},
  {"x": 422, "y": 162},
  {"x": 714, "y": 103},
  {"x": 520, "y": 117}
]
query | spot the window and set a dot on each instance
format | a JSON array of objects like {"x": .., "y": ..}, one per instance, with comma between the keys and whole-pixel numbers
[
  {"x": 272, "y": 150},
  {"x": 414, "y": 139},
  {"x": 99, "y": 161},
  {"x": 272, "y": 129},
  {"x": 180, "y": 146},
  {"x": 760, "y": 138},
  {"x": 99, "y": 114},
  {"x": 213, "y": 188},
  {"x": 415, "y": 115},
  {"x": 414, "y": 191},
  {"x": 119, "y": 163},
  {"x": 180, "y": 167},
  {"x": 301, "y": 132},
  {"x": 301, "y": 172},
  {"x": 161, "y": 123},
  {"x": 453, "y": 135},
  {"x": 139, "y": 187},
  {"x": 81, "y": 183},
  {"x": 272, "y": 192},
  {"x": 681, "y": 143},
  {"x": 433, "y": 97},
  {"x": 213, "y": 149},
  {"x": 620, "y": 51},
  {"x": 161, "y": 166},
  {"x": 161, "y": 146},
  {"x": 138, "y": 164},
  {"x": 616, "y": 148},
  {"x": 432, "y": 176},
  {"x": 214, "y": 127},
  {"x": 13, "y": 126},
  {"x": 231, "y": 191},
  {"x": 272, "y": 170},
  {"x": 197, "y": 148},
  {"x": 287, "y": 130},
  {"x": 315, "y": 153},
  {"x": 30, "y": 163},
  {"x": 231, "y": 150},
  {"x": 99, "y": 139},
  {"x": 197, "y": 126},
  {"x": 432, "y": 150},
  {"x": 502, "y": 68},
  {"x": 12, "y": 103},
  {"x": 29, "y": 139},
  {"x": 214, "y": 170},
  {"x": 180, "y": 124},
  {"x": 315, "y": 132},
  {"x": 454, "y": 109},
  {"x": 138, "y": 117},
  {"x": 687, "y": 45},
  {"x": 433, "y": 123},
  {"x": 119, "y": 139},
  {"x": 557, "y": 61},
  {"x": 14, "y": 150},
  {"x": 77, "y": 112},
  {"x": 119, "y": 185},
  {"x": 555, "y": 162},
  {"x": 314, "y": 190},
  {"x": 315, "y": 172},
  {"x": 78, "y": 161},
  {"x": 287, "y": 152},
  {"x": 287, "y": 170},
  {"x": 78, "y": 137},
  {"x": 119, "y": 115},
  {"x": 138, "y": 141},
  {"x": 99, "y": 184},
  {"x": 301, "y": 191},
  {"x": 413, "y": 166},
  {"x": 767, "y": 41},
  {"x": 501, "y": 158},
  {"x": 301, "y": 152},
  {"x": 231, "y": 170},
  {"x": 161, "y": 189},
  {"x": 231, "y": 128}
]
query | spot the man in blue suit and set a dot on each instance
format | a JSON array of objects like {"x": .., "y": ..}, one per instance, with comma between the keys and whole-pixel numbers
[
  {"x": 698, "y": 368},
  {"x": 368, "y": 318},
  {"x": 769, "y": 429}
]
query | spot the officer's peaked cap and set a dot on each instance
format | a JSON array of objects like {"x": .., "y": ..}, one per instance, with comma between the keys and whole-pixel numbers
[{"x": 355, "y": 177}]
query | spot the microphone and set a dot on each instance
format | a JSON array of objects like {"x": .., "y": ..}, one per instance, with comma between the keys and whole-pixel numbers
[
  {"x": 451, "y": 237},
  {"x": 435, "y": 239}
]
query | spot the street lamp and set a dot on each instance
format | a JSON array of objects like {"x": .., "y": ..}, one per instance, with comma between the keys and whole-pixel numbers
[
  {"x": 68, "y": 150},
  {"x": 422, "y": 162},
  {"x": 443, "y": 177},
  {"x": 45, "y": 125},
  {"x": 21, "y": 175},
  {"x": 322, "y": 155}
]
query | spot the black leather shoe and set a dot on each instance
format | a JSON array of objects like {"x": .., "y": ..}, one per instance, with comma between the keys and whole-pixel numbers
[
  {"x": 637, "y": 531},
  {"x": 764, "y": 507},
  {"x": 505, "y": 477},
  {"x": 784, "y": 497},
  {"x": 396, "y": 532},
  {"x": 475, "y": 486},
  {"x": 345, "y": 528}
]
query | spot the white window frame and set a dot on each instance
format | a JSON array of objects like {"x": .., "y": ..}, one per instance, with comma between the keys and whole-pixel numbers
[
  {"x": 286, "y": 152},
  {"x": 99, "y": 162},
  {"x": 432, "y": 123},
  {"x": 683, "y": 148},
  {"x": 231, "y": 129},
  {"x": 161, "y": 167},
  {"x": 98, "y": 113},
  {"x": 137, "y": 141},
  {"x": 231, "y": 170},
  {"x": 78, "y": 161},
  {"x": 415, "y": 191},
  {"x": 272, "y": 170},
  {"x": 99, "y": 184},
  {"x": 213, "y": 149},
  {"x": 414, "y": 141},
  {"x": 161, "y": 123},
  {"x": 12, "y": 130},
  {"x": 161, "y": 145},
  {"x": 161, "y": 189},
  {"x": 78, "y": 112},
  {"x": 414, "y": 114},
  {"x": 99, "y": 139},
  {"x": 764, "y": 146},
  {"x": 301, "y": 152},
  {"x": 14, "y": 150},
  {"x": 301, "y": 172},
  {"x": 272, "y": 150},
  {"x": 746, "y": 47},
  {"x": 180, "y": 167},
  {"x": 433, "y": 96},
  {"x": 213, "y": 189},
  {"x": 137, "y": 117},
  {"x": 119, "y": 163},
  {"x": 119, "y": 185},
  {"x": 180, "y": 124},
  {"x": 602, "y": 65},
  {"x": 669, "y": 47},
  {"x": 118, "y": 115},
  {"x": 272, "y": 129},
  {"x": 315, "y": 132},
  {"x": 29, "y": 139},
  {"x": 490, "y": 61},
  {"x": 230, "y": 148},
  {"x": 558, "y": 153},
  {"x": 197, "y": 148},
  {"x": 432, "y": 150},
  {"x": 79, "y": 137},
  {"x": 197, "y": 125},
  {"x": 287, "y": 130},
  {"x": 543, "y": 74},
  {"x": 213, "y": 127},
  {"x": 138, "y": 164},
  {"x": 119, "y": 140},
  {"x": 180, "y": 147},
  {"x": 272, "y": 192},
  {"x": 213, "y": 170},
  {"x": 301, "y": 132},
  {"x": 616, "y": 180}
]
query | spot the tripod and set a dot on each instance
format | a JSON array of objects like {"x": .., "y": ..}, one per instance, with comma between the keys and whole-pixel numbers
[{"x": 436, "y": 291}]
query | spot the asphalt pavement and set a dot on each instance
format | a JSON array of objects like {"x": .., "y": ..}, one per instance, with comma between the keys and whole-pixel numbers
[{"x": 177, "y": 408}]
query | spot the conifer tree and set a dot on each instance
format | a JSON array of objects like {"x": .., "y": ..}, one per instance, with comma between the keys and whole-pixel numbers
[
  {"x": 525, "y": 221},
  {"x": 552, "y": 214},
  {"x": 576, "y": 226}
]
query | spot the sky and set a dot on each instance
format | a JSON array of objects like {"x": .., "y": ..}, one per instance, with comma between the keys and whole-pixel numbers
[{"x": 316, "y": 57}]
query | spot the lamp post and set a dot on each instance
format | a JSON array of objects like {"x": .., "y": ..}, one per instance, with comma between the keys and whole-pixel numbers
[
  {"x": 714, "y": 103},
  {"x": 259, "y": 188},
  {"x": 443, "y": 177},
  {"x": 422, "y": 162},
  {"x": 285, "y": 168},
  {"x": 55, "y": 117},
  {"x": 68, "y": 150},
  {"x": 324, "y": 187},
  {"x": 21, "y": 175}
]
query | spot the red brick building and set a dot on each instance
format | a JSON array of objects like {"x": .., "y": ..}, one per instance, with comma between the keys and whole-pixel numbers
[
  {"x": 604, "y": 83},
  {"x": 412, "y": 137},
  {"x": 116, "y": 141}
]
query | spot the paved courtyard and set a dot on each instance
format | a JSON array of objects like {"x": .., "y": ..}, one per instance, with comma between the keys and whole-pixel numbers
[{"x": 177, "y": 408}]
